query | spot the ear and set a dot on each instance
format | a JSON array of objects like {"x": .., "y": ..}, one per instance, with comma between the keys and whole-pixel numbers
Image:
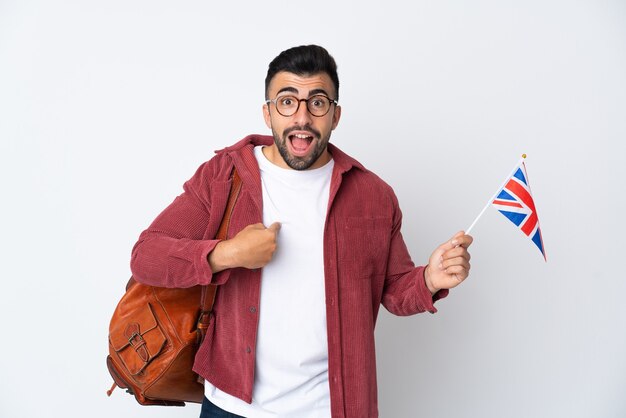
[
  {"x": 266, "y": 115},
  {"x": 336, "y": 116}
]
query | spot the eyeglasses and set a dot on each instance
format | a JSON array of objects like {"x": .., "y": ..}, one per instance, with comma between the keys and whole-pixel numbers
[{"x": 317, "y": 105}]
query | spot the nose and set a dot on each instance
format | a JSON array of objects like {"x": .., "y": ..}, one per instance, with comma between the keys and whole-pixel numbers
[{"x": 302, "y": 116}]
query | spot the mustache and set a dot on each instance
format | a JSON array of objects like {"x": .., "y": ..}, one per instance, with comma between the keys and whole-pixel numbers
[{"x": 306, "y": 128}]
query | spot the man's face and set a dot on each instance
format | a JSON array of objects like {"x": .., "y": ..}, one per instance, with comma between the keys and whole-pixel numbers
[{"x": 300, "y": 140}]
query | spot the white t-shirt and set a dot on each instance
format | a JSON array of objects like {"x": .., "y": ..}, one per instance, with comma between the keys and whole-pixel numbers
[{"x": 291, "y": 376}]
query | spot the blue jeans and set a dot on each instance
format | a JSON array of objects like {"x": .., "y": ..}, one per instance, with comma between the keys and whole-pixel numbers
[{"x": 209, "y": 410}]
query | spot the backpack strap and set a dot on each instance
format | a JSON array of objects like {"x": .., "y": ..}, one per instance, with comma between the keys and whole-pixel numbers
[{"x": 208, "y": 292}]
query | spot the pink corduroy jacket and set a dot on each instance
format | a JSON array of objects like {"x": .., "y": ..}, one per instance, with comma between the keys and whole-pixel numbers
[{"x": 366, "y": 263}]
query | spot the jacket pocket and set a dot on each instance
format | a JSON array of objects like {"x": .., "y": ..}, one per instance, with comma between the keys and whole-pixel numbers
[{"x": 363, "y": 246}]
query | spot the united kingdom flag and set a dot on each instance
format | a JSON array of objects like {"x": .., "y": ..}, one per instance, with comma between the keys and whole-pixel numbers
[{"x": 515, "y": 201}]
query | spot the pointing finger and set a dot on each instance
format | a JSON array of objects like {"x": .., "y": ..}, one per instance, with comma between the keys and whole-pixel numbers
[{"x": 275, "y": 227}]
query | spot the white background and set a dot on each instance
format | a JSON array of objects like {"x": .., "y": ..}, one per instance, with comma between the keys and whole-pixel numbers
[{"x": 107, "y": 107}]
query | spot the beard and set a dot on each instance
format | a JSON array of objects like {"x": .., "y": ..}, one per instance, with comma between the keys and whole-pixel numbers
[{"x": 295, "y": 162}]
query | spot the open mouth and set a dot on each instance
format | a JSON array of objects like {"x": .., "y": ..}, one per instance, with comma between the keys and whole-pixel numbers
[{"x": 300, "y": 143}]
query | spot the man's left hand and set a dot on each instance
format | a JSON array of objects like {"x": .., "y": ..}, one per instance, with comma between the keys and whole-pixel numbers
[{"x": 449, "y": 264}]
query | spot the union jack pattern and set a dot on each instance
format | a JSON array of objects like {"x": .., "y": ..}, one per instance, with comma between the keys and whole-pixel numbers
[{"x": 515, "y": 201}]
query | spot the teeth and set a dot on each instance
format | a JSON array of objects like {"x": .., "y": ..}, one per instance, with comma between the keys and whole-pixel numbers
[{"x": 302, "y": 136}]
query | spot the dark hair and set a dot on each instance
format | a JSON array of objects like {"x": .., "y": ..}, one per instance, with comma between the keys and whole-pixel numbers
[{"x": 304, "y": 60}]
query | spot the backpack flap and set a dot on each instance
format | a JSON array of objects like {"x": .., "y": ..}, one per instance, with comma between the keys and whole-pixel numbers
[{"x": 138, "y": 341}]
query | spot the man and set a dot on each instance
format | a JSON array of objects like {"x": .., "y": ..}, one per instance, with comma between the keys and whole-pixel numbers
[{"x": 314, "y": 248}]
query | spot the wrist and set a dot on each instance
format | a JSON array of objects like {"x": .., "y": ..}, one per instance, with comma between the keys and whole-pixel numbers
[
  {"x": 218, "y": 259},
  {"x": 428, "y": 281}
]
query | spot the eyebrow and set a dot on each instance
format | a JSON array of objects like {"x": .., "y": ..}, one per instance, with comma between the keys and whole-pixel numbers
[
  {"x": 318, "y": 91},
  {"x": 295, "y": 91},
  {"x": 287, "y": 89}
]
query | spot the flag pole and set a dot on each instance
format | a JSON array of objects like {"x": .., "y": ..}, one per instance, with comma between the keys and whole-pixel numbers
[{"x": 521, "y": 160}]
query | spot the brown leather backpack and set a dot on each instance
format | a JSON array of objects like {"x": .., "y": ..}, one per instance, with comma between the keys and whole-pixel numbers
[{"x": 155, "y": 332}]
